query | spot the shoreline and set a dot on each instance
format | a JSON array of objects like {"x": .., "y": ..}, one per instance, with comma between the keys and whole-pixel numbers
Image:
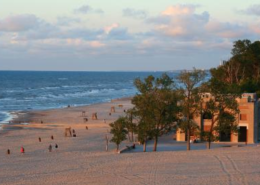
[{"x": 19, "y": 119}]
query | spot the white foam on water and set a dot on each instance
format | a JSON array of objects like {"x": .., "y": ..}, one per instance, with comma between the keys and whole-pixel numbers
[{"x": 8, "y": 117}]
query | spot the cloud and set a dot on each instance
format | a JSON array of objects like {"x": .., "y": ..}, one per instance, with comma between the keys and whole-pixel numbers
[
  {"x": 228, "y": 30},
  {"x": 137, "y": 14},
  {"x": 252, "y": 10},
  {"x": 180, "y": 32},
  {"x": 181, "y": 21},
  {"x": 180, "y": 10},
  {"x": 67, "y": 21},
  {"x": 115, "y": 32},
  {"x": 85, "y": 9},
  {"x": 19, "y": 23}
]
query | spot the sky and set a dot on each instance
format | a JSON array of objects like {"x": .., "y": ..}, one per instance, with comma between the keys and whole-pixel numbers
[{"x": 125, "y": 35}]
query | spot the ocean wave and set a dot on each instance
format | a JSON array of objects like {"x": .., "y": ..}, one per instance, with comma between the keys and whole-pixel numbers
[
  {"x": 6, "y": 117},
  {"x": 48, "y": 88}
]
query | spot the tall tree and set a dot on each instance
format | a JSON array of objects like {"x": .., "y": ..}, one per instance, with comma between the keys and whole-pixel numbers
[
  {"x": 222, "y": 111},
  {"x": 221, "y": 107},
  {"x": 191, "y": 100},
  {"x": 118, "y": 129},
  {"x": 243, "y": 68},
  {"x": 130, "y": 125},
  {"x": 156, "y": 106}
]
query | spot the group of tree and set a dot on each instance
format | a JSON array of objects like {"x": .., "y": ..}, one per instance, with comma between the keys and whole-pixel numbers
[
  {"x": 164, "y": 104},
  {"x": 242, "y": 70}
]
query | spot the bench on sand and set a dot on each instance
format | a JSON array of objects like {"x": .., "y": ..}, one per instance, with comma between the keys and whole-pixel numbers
[{"x": 127, "y": 148}]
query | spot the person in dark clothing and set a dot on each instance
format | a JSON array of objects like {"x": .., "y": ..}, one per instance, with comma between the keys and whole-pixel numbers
[{"x": 50, "y": 148}]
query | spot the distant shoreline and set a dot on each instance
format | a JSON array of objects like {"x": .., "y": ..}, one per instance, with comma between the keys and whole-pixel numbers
[{"x": 24, "y": 117}]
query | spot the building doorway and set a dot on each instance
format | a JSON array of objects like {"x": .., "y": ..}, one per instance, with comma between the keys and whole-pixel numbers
[
  {"x": 242, "y": 135},
  {"x": 225, "y": 136}
]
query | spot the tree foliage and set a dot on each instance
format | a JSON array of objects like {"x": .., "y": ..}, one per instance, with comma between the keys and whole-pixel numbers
[
  {"x": 243, "y": 68},
  {"x": 118, "y": 129},
  {"x": 155, "y": 107},
  {"x": 189, "y": 88}
]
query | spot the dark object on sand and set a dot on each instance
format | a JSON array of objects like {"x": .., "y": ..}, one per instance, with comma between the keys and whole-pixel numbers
[
  {"x": 109, "y": 113},
  {"x": 22, "y": 150},
  {"x": 68, "y": 132},
  {"x": 52, "y": 137},
  {"x": 41, "y": 122},
  {"x": 112, "y": 109},
  {"x": 107, "y": 139},
  {"x": 94, "y": 116},
  {"x": 40, "y": 139},
  {"x": 124, "y": 110},
  {"x": 73, "y": 131},
  {"x": 50, "y": 148},
  {"x": 85, "y": 119},
  {"x": 8, "y": 152},
  {"x": 86, "y": 127},
  {"x": 56, "y": 146},
  {"x": 74, "y": 135}
]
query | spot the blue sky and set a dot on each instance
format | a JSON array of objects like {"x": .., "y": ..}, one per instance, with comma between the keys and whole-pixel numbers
[{"x": 128, "y": 35}]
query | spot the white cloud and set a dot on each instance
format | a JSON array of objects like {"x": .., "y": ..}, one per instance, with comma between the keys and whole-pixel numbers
[
  {"x": 181, "y": 21},
  {"x": 67, "y": 21},
  {"x": 137, "y": 14},
  {"x": 19, "y": 23},
  {"x": 252, "y": 10},
  {"x": 86, "y": 9}
]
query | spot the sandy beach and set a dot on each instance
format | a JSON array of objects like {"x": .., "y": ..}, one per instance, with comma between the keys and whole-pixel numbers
[{"x": 83, "y": 159}]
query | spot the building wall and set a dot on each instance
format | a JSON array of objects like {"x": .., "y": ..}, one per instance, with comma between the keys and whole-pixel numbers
[{"x": 249, "y": 109}]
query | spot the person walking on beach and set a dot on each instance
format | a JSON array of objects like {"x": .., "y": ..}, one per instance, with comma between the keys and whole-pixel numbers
[
  {"x": 50, "y": 148},
  {"x": 52, "y": 137},
  {"x": 22, "y": 150},
  {"x": 56, "y": 146},
  {"x": 40, "y": 139}
]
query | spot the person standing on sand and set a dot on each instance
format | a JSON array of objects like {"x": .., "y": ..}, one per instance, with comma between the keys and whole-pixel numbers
[
  {"x": 22, "y": 150},
  {"x": 56, "y": 146},
  {"x": 50, "y": 148},
  {"x": 40, "y": 139}
]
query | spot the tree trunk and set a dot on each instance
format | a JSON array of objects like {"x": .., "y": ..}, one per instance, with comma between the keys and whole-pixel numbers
[
  {"x": 188, "y": 139},
  {"x": 208, "y": 144},
  {"x": 117, "y": 148},
  {"x": 155, "y": 143},
  {"x": 144, "y": 146},
  {"x": 132, "y": 136}
]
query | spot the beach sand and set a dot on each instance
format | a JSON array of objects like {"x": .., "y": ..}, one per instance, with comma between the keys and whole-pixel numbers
[{"x": 83, "y": 159}]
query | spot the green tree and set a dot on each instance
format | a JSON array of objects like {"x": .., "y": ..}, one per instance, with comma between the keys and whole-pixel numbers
[
  {"x": 155, "y": 107},
  {"x": 221, "y": 107},
  {"x": 222, "y": 110},
  {"x": 243, "y": 68},
  {"x": 118, "y": 129},
  {"x": 144, "y": 132},
  {"x": 130, "y": 125},
  {"x": 189, "y": 88}
]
